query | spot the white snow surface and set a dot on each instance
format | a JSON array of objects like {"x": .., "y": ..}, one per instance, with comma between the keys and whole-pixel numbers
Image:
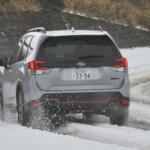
[
  {"x": 102, "y": 135},
  {"x": 123, "y": 136},
  {"x": 15, "y": 137},
  {"x": 139, "y": 73}
]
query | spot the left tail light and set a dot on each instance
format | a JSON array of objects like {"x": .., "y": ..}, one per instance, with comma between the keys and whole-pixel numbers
[
  {"x": 123, "y": 66},
  {"x": 34, "y": 67}
]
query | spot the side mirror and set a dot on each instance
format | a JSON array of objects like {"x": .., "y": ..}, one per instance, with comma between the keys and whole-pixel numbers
[{"x": 3, "y": 62}]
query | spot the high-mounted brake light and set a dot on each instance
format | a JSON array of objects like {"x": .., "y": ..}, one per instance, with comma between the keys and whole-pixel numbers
[
  {"x": 122, "y": 66},
  {"x": 35, "y": 69}
]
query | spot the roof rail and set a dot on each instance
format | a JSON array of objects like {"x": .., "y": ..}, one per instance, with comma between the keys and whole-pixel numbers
[{"x": 38, "y": 29}]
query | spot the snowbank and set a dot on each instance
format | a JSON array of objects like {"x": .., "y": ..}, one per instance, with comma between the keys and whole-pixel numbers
[
  {"x": 123, "y": 136},
  {"x": 15, "y": 137},
  {"x": 139, "y": 73},
  {"x": 138, "y": 59}
]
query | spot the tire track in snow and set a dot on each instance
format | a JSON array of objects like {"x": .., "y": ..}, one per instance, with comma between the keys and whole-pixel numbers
[{"x": 122, "y": 136}]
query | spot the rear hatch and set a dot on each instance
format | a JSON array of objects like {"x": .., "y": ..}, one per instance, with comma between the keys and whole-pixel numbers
[{"x": 76, "y": 63}]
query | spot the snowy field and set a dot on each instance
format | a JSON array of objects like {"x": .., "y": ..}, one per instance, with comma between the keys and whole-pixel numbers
[{"x": 101, "y": 135}]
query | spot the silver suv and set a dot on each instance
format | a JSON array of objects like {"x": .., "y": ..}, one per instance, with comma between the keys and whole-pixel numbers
[{"x": 67, "y": 71}]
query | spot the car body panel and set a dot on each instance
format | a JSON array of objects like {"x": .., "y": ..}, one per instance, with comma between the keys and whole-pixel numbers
[{"x": 102, "y": 78}]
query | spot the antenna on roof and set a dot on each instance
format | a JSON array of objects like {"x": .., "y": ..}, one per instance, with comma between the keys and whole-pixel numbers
[
  {"x": 73, "y": 29},
  {"x": 68, "y": 26}
]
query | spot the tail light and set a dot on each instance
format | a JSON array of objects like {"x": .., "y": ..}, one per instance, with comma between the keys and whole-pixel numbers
[
  {"x": 34, "y": 67},
  {"x": 125, "y": 101},
  {"x": 123, "y": 66}
]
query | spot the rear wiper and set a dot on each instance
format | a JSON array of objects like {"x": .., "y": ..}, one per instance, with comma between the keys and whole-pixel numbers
[{"x": 91, "y": 57}]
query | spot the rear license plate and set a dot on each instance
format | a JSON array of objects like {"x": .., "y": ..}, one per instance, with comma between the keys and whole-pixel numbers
[{"x": 81, "y": 74}]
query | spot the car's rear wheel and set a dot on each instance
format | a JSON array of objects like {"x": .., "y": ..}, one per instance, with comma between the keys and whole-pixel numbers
[
  {"x": 22, "y": 115},
  {"x": 1, "y": 104},
  {"x": 118, "y": 114}
]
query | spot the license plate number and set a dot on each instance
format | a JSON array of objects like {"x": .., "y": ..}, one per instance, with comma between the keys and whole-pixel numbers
[{"x": 80, "y": 74}]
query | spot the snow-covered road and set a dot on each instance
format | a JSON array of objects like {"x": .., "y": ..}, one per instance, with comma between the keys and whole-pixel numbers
[{"x": 101, "y": 135}]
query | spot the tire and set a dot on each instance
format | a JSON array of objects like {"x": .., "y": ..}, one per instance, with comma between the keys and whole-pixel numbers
[
  {"x": 23, "y": 118},
  {"x": 1, "y": 104},
  {"x": 119, "y": 117}
]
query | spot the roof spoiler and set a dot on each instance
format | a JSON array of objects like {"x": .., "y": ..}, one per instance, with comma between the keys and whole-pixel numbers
[
  {"x": 99, "y": 28},
  {"x": 38, "y": 29}
]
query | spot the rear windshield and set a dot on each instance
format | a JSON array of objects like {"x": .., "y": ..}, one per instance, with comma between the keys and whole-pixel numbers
[{"x": 73, "y": 48}]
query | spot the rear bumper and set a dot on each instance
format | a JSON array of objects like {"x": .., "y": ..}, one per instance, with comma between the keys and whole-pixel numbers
[
  {"x": 35, "y": 93},
  {"x": 80, "y": 102}
]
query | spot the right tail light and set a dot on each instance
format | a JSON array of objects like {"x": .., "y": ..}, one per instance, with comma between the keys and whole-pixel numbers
[{"x": 123, "y": 66}]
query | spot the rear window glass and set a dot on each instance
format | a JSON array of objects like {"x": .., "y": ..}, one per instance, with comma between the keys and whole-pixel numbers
[{"x": 55, "y": 49}]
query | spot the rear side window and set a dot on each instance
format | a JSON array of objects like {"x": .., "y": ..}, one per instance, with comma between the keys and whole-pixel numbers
[
  {"x": 32, "y": 45},
  {"x": 24, "y": 49},
  {"x": 15, "y": 53},
  {"x": 55, "y": 49}
]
